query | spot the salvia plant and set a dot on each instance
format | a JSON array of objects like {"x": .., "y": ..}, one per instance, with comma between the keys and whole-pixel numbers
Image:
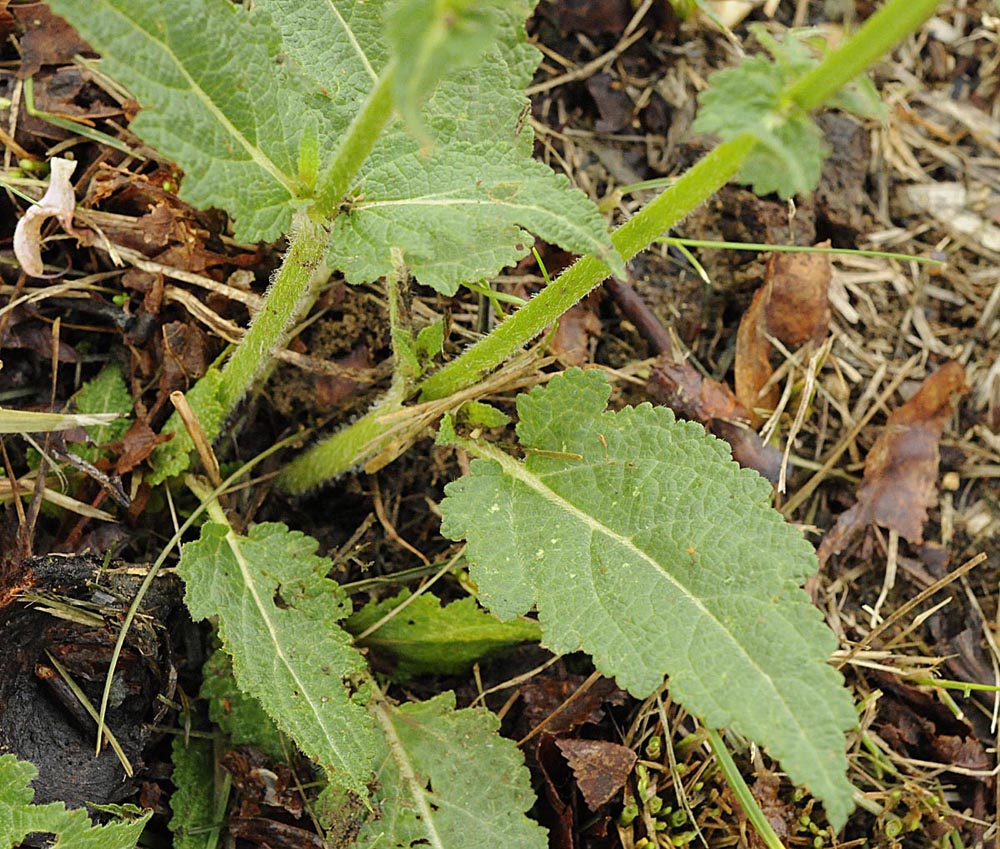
[{"x": 386, "y": 139}]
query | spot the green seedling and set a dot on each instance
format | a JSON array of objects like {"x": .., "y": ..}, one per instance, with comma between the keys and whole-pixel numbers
[{"x": 387, "y": 141}]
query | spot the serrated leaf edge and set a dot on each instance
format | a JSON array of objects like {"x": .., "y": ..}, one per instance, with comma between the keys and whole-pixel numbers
[
  {"x": 232, "y": 540},
  {"x": 517, "y": 471},
  {"x": 380, "y": 709}
]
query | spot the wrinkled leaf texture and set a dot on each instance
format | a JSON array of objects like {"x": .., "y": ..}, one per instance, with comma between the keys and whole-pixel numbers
[
  {"x": 657, "y": 555},
  {"x": 192, "y": 804},
  {"x": 233, "y": 95},
  {"x": 448, "y": 780},
  {"x": 278, "y": 616}
]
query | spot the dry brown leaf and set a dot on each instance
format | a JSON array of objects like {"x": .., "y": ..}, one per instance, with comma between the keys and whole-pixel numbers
[
  {"x": 600, "y": 767},
  {"x": 793, "y": 307},
  {"x": 47, "y": 39},
  {"x": 902, "y": 467},
  {"x": 678, "y": 385},
  {"x": 571, "y": 339}
]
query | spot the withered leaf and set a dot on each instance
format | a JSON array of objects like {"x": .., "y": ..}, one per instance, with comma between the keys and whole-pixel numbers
[
  {"x": 137, "y": 444},
  {"x": 675, "y": 383},
  {"x": 571, "y": 339},
  {"x": 793, "y": 307},
  {"x": 601, "y": 768},
  {"x": 901, "y": 468},
  {"x": 47, "y": 40},
  {"x": 546, "y": 699}
]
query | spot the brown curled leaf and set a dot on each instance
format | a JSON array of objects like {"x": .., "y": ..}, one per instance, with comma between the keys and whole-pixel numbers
[
  {"x": 793, "y": 307},
  {"x": 901, "y": 469}
]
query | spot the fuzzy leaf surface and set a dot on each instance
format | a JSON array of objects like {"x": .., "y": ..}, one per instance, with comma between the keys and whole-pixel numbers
[
  {"x": 789, "y": 157},
  {"x": 252, "y": 105},
  {"x": 218, "y": 99},
  {"x": 449, "y": 781},
  {"x": 640, "y": 541},
  {"x": 426, "y": 638},
  {"x": 459, "y": 200},
  {"x": 72, "y": 829},
  {"x": 192, "y": 805},
  {"x": 278, "y": 616},
  {"x": 238, "y": 715},
  {"x": 429, "y": 38},
  {"x": 460, "y": 214}
]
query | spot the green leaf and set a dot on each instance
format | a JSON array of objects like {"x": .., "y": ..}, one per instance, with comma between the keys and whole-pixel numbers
[
  {"x": 789, "y": 157},
  {"x": 278, "y": 617},
  {"x": 106, "y": 393},
  {"x": 429, "y": 37},
  {"x": 192, "y": 805},
  {"x": 460, "y": 213},
  {"x": 448, "y": 780},
  {"x": 173, "y": 457},
  {"x": 750, "y": 98},
  {"x": 72, "y": 828},
  {"x": 457, "y": 201},
  {"x": 240, "y": 716},
  {"x": 218, "y": 97},
  {"x": 641, "y": 542},
  {"x": 430, "y": 341},
  {"x": 426, "y": 638},
  {"x": 484, "y": 415},
  {"x": 252, "y": 105}
]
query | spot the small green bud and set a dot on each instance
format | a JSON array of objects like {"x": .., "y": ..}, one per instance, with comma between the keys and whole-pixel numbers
[
  {"x": 893, "y": 828},
  {"x": 628, "y": 814},
  {"x": 33, "y": 166},
  {"x": 654, "y": 746}
]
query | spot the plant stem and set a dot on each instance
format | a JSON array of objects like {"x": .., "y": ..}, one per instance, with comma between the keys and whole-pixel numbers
[
  {"x": 363, "y": 438},
  {"x": 697, "y": 184},
  {"x": 292, "y": 292},
  {"x": 303, "y": 270},
  {"x": 743, "y": 794},
  {"x": 895, "y": 20},
  {"x": 365, "y": 130},
  {"x": 877, "y": 36}
]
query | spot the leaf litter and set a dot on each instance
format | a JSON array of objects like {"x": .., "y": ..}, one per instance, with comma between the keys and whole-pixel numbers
[{"x": 883, "y": 312}]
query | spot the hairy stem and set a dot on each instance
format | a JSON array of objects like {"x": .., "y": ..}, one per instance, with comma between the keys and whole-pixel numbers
[
  {"x": 365, "y": 130},
  {"x": 895, "y": 20},
  {"x": 698, "y": 184},
  {"x": 292, "y": 292}
]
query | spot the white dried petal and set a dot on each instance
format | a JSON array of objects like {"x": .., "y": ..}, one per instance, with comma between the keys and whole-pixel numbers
[{"x": 59, "y": 202}]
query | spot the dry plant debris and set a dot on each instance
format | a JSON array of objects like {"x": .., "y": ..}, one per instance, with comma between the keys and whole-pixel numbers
[
  {"x": 901, "y": 471},
  {"x": 792, "y": 306}
]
